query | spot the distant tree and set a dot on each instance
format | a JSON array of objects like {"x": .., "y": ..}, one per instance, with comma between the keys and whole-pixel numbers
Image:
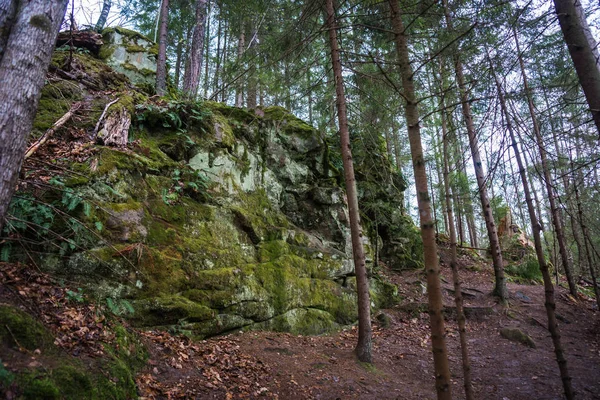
[
  {"x": 28, "y": 31},
  {"x": 103, "y": 15},
  {"x": 161, "y": 63},
  {"x": 363, "y": 347},
  {"x": 191, "y": 78}
]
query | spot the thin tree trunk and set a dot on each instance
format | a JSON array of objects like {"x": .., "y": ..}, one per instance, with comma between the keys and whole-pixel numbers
[
  {"x": 207, "y": 54},
  {"x": 218, "y": 61},
  {"x": 178, "y": 61},
  {"x": 363, "y": 347},
  {"x": 239, "y": 94},
  {"x": 460, "y": 314},
  {"x": 583, "y": 50},
  {"x": 251, "y": 93},
  {"x": 191, "y": 78},
  {"x": 33, "y": 30},
  {"x": 434, "y": 293},
  {"x": 586, "y": 238},
  {"x": 103, "y": 15},
  {"x": 556, "y": 219},
  {"x": 548, "y": 287},
  {"x": 500, "y": 287},
  {"x": 161, "y": 63}
]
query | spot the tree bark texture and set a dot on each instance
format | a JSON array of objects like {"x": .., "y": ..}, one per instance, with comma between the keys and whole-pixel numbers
[
  {"x": 555, "y": 211},
  {"x": 500, "y": 288},
  {"x": 363, "y": 347},
  {"x": 161, "y": 62},
  {"x": 583, "y": 50},
  {"x": 537, "y": 240},
  {"x": 23, "y": 66},
  {"x": 239, "y": 94},
  {"x": 103, "y": 15},
  {"x": 191, "y": 78},
  {"x": 432, "y": 267}
]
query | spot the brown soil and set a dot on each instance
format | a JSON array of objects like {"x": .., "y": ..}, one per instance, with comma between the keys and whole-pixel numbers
[
  {"x": 283, "y": 366},
  {"x": 297, "y": 367}
]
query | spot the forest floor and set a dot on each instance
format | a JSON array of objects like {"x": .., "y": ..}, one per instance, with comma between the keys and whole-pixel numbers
[{"x": 283, "y": 366}]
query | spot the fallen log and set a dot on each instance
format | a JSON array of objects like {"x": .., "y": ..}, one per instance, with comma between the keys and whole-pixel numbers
[{"x": 89, "y": 40}]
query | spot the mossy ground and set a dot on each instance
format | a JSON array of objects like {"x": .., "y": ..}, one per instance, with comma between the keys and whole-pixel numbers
[{"x": 58, "y": 375}]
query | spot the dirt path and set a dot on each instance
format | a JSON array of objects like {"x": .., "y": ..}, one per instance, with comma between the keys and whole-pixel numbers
[{"x": 296, "y": 367}]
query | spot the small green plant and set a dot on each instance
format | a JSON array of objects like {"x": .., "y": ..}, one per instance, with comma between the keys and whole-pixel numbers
[
  {"x": 119, "y": 307},
  {"x": 6, "y": 377},
  {"x": 179, "y": 115},
  {"x": 76, "y": 297}
]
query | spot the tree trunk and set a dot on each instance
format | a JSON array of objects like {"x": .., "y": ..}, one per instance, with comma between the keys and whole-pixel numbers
[
  {"x": 500, "y": 288},
  {"x": 8, "y": 13},
  {"x": 239, "y": 94},
  {"x": 207, "y": 54},
  {"x": 178, "y": 61},
  {"x": 583, "y": 50},
  {"x": 161, "y": 63},
  {"x": 548, "y": 287},
  {"x": 556, "y": 219},
  {"x": 434, "y": 293},
  {"x": 33, "y": 29},
  {"x": 251, "y": 92},
  {"x": 363, "y": 347},
  {"x": 191, "y": 78},
  {"x": 460, "y": 314},
  {"x": 103, "y": 15}
]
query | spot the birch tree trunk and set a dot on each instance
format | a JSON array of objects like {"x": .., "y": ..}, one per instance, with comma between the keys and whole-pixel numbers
[
  {"x": 583, "y": 50},
  {"x": 161, "y": 62},
  {"x": 103, "y": 15},
  {"x": 363, "y": 347},
  {"x": 33, "y": 26},
  {"x": 191, "y": 78},
  {"x": 432, "y": 267},
  {"x": 537, "y": 240}
]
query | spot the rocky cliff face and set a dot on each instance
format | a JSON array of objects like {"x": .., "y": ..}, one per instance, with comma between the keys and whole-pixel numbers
[{"x": 212, "y": 218}]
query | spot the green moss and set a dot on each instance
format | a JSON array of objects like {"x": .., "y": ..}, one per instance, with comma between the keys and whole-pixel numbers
[
  {"x": 130, "y": 67},
  {"x": 20, "y": 329},
  {"x": 291, "y": 124},
  {"x": 55, "y": 101},
  {"x": 518, "y": 336},
  {"x": 168, "y": 310},
  {"x": 106, "y": 51},
  {"x": 44, "y": 388},
  {"x": 147, "y": 72},
  {"x": 41, "y": 21},
  {"x": 237, "y": 114},
  {"x": 134, "y": 48}
]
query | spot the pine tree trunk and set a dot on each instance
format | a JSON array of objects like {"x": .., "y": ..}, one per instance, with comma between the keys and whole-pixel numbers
[
  {"x": 548, "y": 287},
  {"x": 556, "y": 219},
  {"x": 460, "y": 314},
  {"x": 251, "y": 92},
  {"x": 583, "y": 49},
  {"x": 161, "y": 62},
  {"x": 191, "y": 78},
  {"x": 500, "y": 288},
  {"x": 33, "y": 28},
  {"x": 434, "y": 293},
  {"x": 363, "y": 347},
  {"x": 103, "y": 15}
]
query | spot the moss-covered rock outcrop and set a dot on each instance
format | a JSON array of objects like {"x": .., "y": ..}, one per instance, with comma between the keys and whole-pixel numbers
[{"x": 216, "y": 218}]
